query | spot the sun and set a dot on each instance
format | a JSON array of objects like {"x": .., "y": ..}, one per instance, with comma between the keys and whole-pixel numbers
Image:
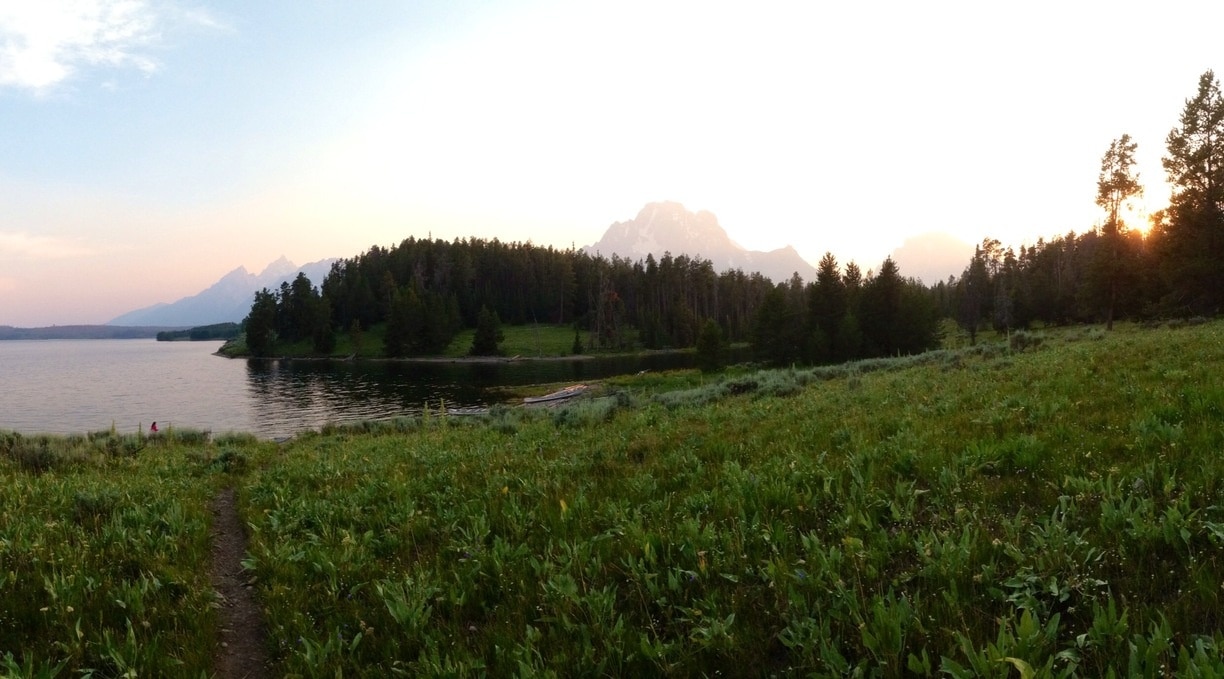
[{"x": 1137, "y": 213}]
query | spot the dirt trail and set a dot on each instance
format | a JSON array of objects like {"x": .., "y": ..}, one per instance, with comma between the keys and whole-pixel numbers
[{"x": 242, "y": 653}]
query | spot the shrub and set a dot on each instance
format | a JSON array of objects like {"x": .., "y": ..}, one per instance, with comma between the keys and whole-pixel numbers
[
  {"x": 93, "y": 508},
  {"x": 189, "y": 436},
  {"x": 231, "y": 461},
  {"x": 1021, "y": 340},
  {"x": 235, "y": 439}
]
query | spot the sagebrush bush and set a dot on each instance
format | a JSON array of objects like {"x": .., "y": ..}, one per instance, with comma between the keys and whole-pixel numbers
[
  {"x": 232, "y": 438},
  {"x": 1022, "y": 340}
]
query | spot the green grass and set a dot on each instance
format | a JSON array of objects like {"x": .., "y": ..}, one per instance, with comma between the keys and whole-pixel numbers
[
  {"x": 1053, "y": 505},
  {"x": 528, "y": 341},
  {"x": 104, "y": 553}
]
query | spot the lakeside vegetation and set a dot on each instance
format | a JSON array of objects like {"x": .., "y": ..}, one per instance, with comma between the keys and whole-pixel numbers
[
  {"x": 216, "y": 331},
  {"x": 77, "y": 332},
  {"x": 523, "y": 341},
  {"x": 1051, "y": 502}
]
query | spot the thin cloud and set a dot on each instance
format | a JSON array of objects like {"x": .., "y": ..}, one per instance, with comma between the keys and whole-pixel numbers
[
  {"x": 202, "y": 18},
  {"x": 27, "y": 246},
  {"x": 43, "y": 44}
]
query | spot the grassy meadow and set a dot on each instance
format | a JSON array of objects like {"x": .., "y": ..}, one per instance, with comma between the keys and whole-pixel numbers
[
  {"x": 1044, "y": 505},
  {"x": 524, "y": 340}
]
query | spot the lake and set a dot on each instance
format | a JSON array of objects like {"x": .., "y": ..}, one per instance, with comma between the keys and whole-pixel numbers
[{"x": 79, "y": 386}]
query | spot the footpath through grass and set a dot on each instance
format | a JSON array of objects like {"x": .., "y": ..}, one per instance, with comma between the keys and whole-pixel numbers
[{"x": 1056, "y": 505}]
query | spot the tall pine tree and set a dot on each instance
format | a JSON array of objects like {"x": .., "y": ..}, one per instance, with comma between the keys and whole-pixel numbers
[{"x": 1192, "y": 239}]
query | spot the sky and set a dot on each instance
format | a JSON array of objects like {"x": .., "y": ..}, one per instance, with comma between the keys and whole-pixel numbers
[{"x": 148, "y": 147}]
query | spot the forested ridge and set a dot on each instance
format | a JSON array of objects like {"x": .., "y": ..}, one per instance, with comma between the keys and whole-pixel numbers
[{"x": 423, "y": 292}]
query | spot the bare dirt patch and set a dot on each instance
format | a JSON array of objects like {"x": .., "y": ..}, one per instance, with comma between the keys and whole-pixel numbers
[{"x": 242, "y": 651}]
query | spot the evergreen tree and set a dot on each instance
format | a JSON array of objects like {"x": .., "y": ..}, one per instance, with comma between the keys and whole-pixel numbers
[
  {"x": 299, "y": 305},
  {"x": 401, "y": 336},
  {"x": 917, "y": 320},
  {"x": 1116, "y": 185},
  {"x": 880, "y": 311},
  {"x": 776, "y": 336},
  {"x": 848, "y": 343},
  {"x": 488, "y": 334},
  {"x": 1192, "y": 238},
  {"x": 826, "y": 309},
  {"x": 322, "y": 334},
  {"x": 260, "y": 324},
  {"x": 356, "y": 336},
  {"x": 973, "y": 290},
  {"x": 711, "y": 347}
]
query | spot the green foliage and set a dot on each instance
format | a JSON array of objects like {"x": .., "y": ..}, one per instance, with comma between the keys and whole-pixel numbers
[
  {"x": 405, "y": 324},
  {"x": 488, "y": 335},
  {"x": 843, "y": 318},
  {"x": 980, "y": 511},
  {"x": 711, "y": 347},
  {"x": 104, "y": 559},
  {"x": 425, "y": 292},
  {"x": 1191, "y": 242},
  {"x": 777, "y": 336},
  {"x": 225, "y": 331},
  {"x": 260, "y": 325},
  {"x": 954, "y": 512},
  {"x": 531, "y": 340}
]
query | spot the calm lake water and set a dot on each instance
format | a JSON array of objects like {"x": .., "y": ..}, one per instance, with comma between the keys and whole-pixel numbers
[{"x": 78, "y": 386}]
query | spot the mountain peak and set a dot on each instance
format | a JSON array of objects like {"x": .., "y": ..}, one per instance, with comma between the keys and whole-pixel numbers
[
  {"x": 281, "y": 267},
  {"x": 666, "y": 226},
  {"x": 239, "y": 273},
  {"x": 227, "y": 300}
]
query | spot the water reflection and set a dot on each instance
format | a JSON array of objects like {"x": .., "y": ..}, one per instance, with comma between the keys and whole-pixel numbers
[
  {"x": 74, "y": 386},
  {"x": 287, "y": 395},
  {"x": 290, "y": 395}
]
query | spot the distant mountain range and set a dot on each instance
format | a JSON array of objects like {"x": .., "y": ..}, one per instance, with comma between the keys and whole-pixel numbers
[
  {"x": 668, "y": 227},
  {"x": 226, "y": 301},
  {"x": 658, "y": 228}
]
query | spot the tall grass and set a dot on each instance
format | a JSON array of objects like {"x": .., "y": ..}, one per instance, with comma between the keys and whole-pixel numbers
[
  {"x": 1048, "y": 505},
  {"x": 1052, "y": 506},
  {"x": 104, "y": 552}
]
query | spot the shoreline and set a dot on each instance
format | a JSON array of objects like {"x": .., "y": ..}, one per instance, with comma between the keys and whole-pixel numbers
[{"x": 492, "y": 360}]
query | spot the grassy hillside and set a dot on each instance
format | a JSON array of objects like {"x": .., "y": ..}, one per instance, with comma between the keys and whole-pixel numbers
[{"x": 1053, "y": 505}]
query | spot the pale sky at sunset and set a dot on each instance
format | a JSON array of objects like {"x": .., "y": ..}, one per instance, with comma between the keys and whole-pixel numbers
[{"x": 149, "y": 147}]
